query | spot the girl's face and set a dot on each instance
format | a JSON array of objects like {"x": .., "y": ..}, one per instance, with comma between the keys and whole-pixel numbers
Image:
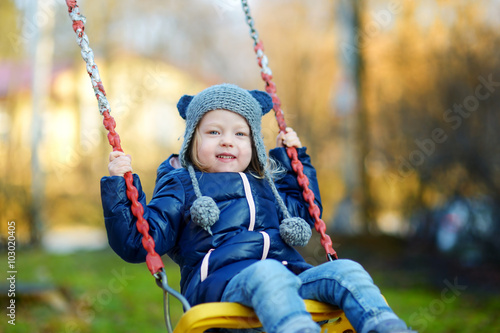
[{"x": 225, "y": 143}]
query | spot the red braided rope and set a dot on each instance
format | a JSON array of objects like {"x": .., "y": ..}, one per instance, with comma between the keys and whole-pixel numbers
[
  {"x": 297, "y": 166},
  {"x": 153, "y": 260}
]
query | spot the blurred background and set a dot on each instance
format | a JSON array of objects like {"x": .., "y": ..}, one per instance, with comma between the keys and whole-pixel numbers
[{"x": 397, "y": 102}]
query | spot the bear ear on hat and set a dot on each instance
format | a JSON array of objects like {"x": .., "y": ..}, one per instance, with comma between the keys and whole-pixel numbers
[
  {"x": 183, "y": 104},
  {"x": 265, "y": 101}
]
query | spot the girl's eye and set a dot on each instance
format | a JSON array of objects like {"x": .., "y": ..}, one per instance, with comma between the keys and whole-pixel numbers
[
  {"x": 241, "y": 134},
  {"x": 213, "y": 132}
]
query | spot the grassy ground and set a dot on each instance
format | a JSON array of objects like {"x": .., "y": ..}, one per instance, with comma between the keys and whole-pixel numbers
[
  {"x": 86, "y": 292},
  {"x": 429, "y": 292},
  {"x": 98, "y": 292}
]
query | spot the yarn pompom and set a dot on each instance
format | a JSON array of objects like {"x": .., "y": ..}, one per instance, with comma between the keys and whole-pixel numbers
[
  {"x": 205, "y": 212},
  {"x": 295, "y": 231}
]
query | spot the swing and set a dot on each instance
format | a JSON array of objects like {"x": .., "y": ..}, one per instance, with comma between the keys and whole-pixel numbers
[{"x": 205, "y": 316}]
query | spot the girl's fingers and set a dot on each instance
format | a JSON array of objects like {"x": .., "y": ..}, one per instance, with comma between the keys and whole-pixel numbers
[
  {"x": 291, "y": 138},
  {"x": 119, "y": 164},
  {"x": 280, "y": 139}
]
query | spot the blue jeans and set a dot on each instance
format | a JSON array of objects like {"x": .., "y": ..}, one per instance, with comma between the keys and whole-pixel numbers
[{"x": 276, "y": 295}]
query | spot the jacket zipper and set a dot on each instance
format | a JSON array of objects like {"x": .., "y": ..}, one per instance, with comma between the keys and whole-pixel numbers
[
  {"x": 251, "y": 227},
  {"x": 251, "y": 206},
  {"x": 250, "y": 201}
]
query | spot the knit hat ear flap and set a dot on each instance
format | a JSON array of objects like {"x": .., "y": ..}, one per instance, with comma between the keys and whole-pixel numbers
[
  {"x": 295, "y": 231},
  {"x": 265, "y": 101},
  {"x": 183, "y": 104},
  {"x": 204, "y": 210}
]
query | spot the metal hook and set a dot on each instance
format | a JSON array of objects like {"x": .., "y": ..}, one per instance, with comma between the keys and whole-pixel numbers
[{"x": 162, "y": 282}]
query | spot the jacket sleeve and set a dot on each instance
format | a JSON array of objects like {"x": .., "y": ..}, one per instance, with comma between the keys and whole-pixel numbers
[
  {"x": 289, "y": 188},
  {"x": 164, "y": 215}
]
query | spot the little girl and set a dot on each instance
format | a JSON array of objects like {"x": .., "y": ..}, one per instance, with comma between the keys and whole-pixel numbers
[{"x": 230, "y": 220}]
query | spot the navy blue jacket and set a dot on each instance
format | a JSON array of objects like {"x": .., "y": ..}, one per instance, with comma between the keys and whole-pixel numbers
[{"x": 247, "y": 230}]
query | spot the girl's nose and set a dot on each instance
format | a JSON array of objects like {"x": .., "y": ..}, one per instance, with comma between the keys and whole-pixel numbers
[{"x": 226, "y": 141}]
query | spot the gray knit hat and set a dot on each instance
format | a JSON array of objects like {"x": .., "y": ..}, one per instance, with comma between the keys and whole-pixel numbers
[{"x": 251, "y": 105}]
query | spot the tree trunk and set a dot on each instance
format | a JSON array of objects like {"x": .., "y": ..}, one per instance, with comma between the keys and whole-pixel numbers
[{"x": 42, "y": 52}]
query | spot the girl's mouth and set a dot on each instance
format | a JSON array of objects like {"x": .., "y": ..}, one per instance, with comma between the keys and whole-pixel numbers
[{"x": 226, "y": 157}]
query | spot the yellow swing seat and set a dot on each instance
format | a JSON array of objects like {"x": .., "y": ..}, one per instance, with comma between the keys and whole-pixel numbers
[{"x": 202, "y": 317}]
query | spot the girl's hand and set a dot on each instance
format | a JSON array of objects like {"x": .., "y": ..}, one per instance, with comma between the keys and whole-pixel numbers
[
  {"x": 288, "y": 139},
  {"x": 119, "y": 163}
]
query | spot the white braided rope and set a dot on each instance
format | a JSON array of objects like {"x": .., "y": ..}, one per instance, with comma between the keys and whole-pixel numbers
[
  {"x": 88, "y": 56},
  {"x": 255, "y": 36}
]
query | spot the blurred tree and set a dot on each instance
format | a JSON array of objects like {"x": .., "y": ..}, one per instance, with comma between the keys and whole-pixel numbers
[
  {"x": 43, "y": 49},
  {"x": 349, "y": 105},
  {"x": 362, "y": 129},
  {"x": 421, "y": 64},
  {"x": 11, "y": 42},
  {"x": 436, "y": 111}
]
